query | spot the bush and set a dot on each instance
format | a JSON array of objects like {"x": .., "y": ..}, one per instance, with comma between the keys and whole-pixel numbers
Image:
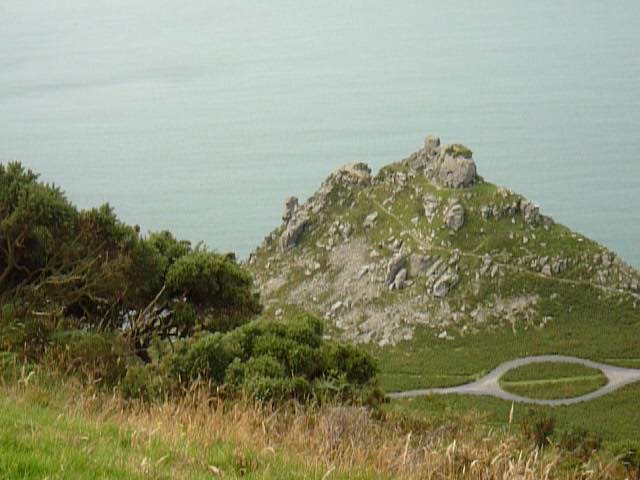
[
  {"x": 353, "y": 362},
  {"x": 276, "y": 360},
  {"x": 538, "y": 427},
  {"x": 23, "y": 333},
  {"x": 146, "y": 382},
  {"x": 212, "y": 280},
  {"x": 279, "y": 389},
  {"x": 207, "y": 359}
]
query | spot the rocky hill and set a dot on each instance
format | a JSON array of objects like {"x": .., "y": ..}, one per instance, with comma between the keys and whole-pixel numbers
[{"x": 427, "y": 242}]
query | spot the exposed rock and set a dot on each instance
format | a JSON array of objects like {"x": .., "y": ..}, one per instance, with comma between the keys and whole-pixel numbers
[
  {"x": 290, "y": 206},
  {"x": 559, "y": 265},
  {"x": 431, "y": 146},
  {"x": 453, "y": 167},
  {"x": 419, "y": 264},
  {"x": 400, "y": 281},
  {"x": 430, "y": 204},
  {"x": 370, "y": 220},
  {"x": 352, "y": 174},
  {"x": 394, "y": 266},
  {"x": 292, "y": 232},
  {"x": 454, "y": 216},
  {"x": 530, "y": 212},
  {"x": 444, "y": 284}
]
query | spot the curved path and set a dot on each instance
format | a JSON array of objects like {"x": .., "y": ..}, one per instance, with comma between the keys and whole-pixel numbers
[{"x": 488, "y": 385}]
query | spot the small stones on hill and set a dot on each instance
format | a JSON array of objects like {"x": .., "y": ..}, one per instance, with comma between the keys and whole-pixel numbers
[
  {"x": 376, "y": 279},
  {"x": 395, "y": 265},
  {"x": 444, "y": 284},
  {"x": 430, "y": 204},
  {"x": 454, "y": 216},
  {"x": 370, "y": 220}
]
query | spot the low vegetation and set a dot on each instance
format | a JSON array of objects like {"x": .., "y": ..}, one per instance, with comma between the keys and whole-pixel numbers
[
  {"x": 552, "y": 380},
  {"x": 55, "y": 430}
]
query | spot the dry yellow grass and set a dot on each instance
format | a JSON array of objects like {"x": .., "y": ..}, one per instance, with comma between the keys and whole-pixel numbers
[{"x": 311, "y": 442}]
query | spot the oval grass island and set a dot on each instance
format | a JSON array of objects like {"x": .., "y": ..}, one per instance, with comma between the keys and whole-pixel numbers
[
  {"x": 552, "y": 380},
  {"x": 564, "y": 368}
]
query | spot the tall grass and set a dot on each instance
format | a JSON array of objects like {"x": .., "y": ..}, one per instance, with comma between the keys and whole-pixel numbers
[{"x": 255, "y": 440}]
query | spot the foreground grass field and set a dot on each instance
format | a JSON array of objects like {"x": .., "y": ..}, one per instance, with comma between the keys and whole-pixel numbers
[
  {"x": 39, "y": 440},
  {"x": 70, "y": 432},
  {"x": 552, "y": 380}
]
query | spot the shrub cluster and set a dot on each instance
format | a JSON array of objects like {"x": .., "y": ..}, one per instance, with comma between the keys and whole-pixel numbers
[{"x": 276, "y": 360}]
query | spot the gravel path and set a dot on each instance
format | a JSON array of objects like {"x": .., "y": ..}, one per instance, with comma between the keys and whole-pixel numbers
[{"x": 488, "y": 385}]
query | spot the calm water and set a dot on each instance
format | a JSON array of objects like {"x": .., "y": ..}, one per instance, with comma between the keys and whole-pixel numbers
[{"x": 202, "y": 116}]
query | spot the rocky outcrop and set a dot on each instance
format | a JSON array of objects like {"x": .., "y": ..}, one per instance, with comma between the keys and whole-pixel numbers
[
  {"x": 378, "y": 257},
  {"x": 454, "y": 216},
  {"x": 395, "y": 265},
  {"x": 291, "y": 234},
  {"x": 430, "y": 204},
  {"x": 290, "y": 206},
  {"x": 454, "y": 167},
  {"x": 450, "y": 166}
]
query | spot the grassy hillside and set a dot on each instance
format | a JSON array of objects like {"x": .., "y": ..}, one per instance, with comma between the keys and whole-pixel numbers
[{"x": 503, "y": 283}]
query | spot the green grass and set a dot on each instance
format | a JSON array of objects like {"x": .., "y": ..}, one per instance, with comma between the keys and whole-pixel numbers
[
  {"x": 615, "y": 417},
  {"x": 585, "y": 323},
  {"x": 552, "y": 380},
  {"x": 554, "y": 389},
  {"x": 39, "y": 440}
]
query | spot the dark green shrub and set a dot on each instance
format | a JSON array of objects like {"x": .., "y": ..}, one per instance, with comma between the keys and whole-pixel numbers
[
  {"x": 275, "y": 360},
  {"x": 278, "y": 389},
  {"x": 538, "y": 427},
  {"x": 146, "y": 382},
  {"x": 168, "y": 247},
  {"x": 208, "y": 279},
  {"x": 206, "y": 358},
  {"x": 239, "y": 372},
  {"x": 356, "y": 364}
]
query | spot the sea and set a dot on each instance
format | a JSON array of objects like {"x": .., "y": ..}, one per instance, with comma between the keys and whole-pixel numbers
[{"x": 202, "y": 116}]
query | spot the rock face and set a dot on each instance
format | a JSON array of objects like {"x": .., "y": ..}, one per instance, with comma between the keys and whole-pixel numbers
[
  {"x": 290, "y": 206},
  {"x": 393, "y": 268},
  {"x": 430, "y": 204},
  {"x": 454, "y": 216},
  {"x": 291, "y": 235},
  {"x": 380, "y": 256},
  {"x": 455, "y": 168}
]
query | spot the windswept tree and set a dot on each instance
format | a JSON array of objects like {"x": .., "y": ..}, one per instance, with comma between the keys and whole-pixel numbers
[{"x": 90, "y": 266}]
